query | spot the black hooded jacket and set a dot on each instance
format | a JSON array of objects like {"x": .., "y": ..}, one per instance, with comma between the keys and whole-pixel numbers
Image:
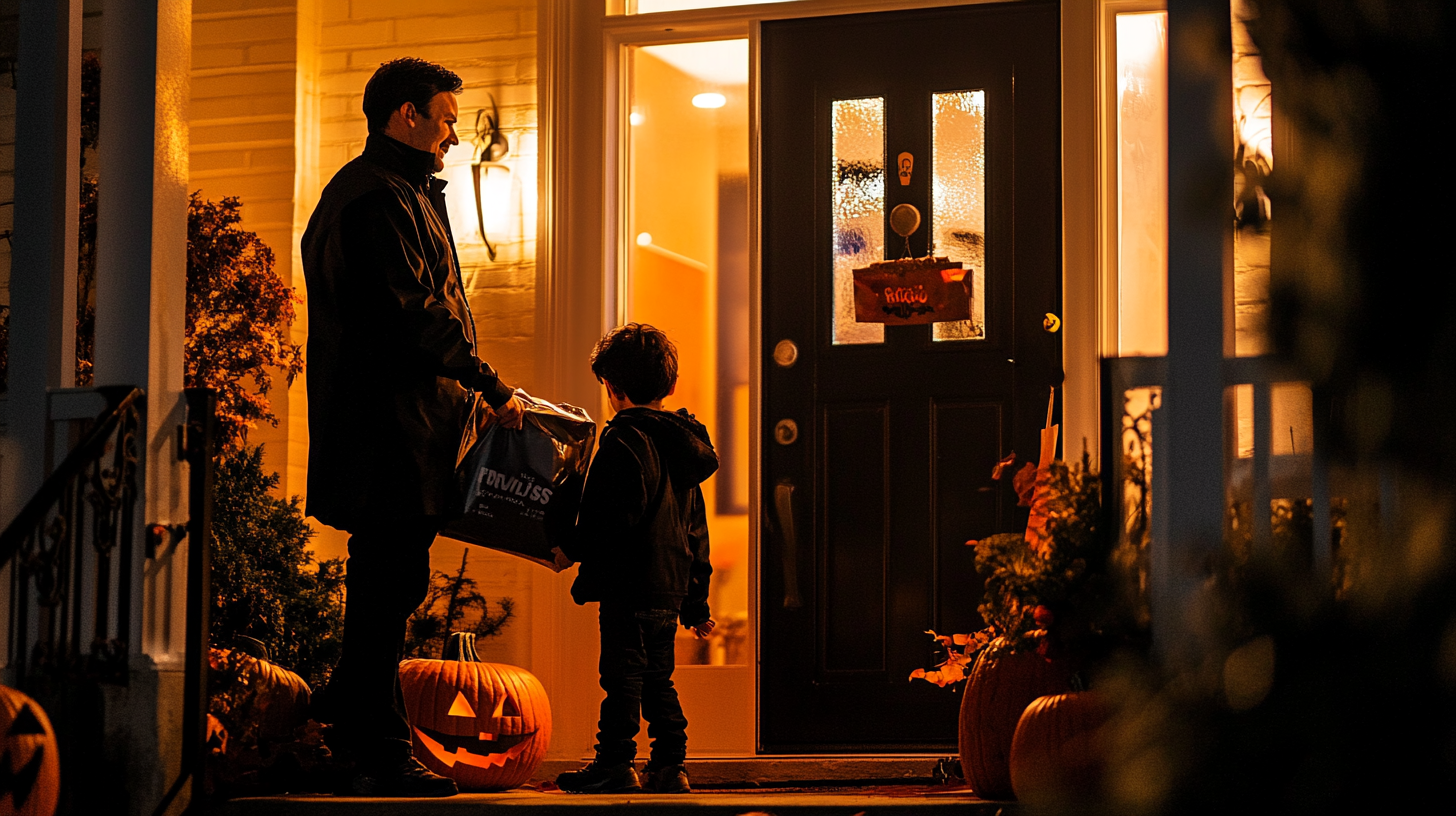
[
  {"x": 642, "y": 532},
  {"x": 391, "y": 344}
]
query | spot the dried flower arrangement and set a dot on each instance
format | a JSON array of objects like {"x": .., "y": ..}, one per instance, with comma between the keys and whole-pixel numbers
[{"x": 1052, "y": 588}]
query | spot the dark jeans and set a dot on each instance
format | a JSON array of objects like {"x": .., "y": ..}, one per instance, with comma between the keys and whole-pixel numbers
[
  {"x": 636, "y": 667},
  {"x": 386, "y": 577}
]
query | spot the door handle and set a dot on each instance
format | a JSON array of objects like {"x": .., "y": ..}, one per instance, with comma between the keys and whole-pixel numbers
[{"x": 784, "y": 510}]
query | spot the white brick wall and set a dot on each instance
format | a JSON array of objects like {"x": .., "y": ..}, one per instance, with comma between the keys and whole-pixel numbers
[
  {"x": 242, "y": 144},
  {"x": 246, "y": 78},
  {"x": 492, "y": 46}
]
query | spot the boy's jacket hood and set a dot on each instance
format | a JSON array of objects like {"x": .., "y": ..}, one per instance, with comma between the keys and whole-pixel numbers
[{"x": 682, "y": 442}]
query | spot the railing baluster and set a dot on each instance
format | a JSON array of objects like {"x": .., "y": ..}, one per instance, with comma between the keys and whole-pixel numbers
[
  {"x": 1323, "y": 557},
  {"x": 1260, "y": 500},
  {"x": 126, "y": 450},
  {"x": 76, "y": 513}
]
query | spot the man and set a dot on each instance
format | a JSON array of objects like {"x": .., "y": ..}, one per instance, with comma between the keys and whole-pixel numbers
[{"x": 391, "y": 371}]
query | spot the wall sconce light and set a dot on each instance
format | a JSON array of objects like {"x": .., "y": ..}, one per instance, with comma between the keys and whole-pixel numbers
[{"x": 492, "y": 179}]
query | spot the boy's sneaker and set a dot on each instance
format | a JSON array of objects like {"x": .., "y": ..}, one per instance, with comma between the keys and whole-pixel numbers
[
  {"x": 668, "y": 779},
  {"x": 598, "y": 777}
]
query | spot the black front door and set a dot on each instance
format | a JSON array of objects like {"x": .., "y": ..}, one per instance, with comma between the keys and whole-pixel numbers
[{"x": 880, "y": 441}]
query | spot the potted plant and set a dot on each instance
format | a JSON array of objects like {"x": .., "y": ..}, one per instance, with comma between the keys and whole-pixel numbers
[{"x": 1050, "y": 607}]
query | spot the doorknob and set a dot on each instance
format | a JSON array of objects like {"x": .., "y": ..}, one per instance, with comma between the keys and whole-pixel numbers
[
  {"x": 784, "y": 510},
  {"x": 1051, "y": 323}
]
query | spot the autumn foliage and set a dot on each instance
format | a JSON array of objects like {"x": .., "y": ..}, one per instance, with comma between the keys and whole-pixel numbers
[
  {"x": 238, "y": 317},
  {"x": 1058, "y": 595}
]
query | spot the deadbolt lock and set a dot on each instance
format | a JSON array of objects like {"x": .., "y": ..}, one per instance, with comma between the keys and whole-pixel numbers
[{"x": 786, "y": 432}]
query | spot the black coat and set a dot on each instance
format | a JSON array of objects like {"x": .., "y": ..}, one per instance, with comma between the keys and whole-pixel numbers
[
  {"x": 642, "y": 530},
  {"x": 391, "y": 343}
]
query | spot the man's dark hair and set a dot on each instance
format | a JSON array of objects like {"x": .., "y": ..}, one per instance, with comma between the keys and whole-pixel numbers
[
  {"x": 638, "y": 361},
  {"x": 407, "y": 79}
]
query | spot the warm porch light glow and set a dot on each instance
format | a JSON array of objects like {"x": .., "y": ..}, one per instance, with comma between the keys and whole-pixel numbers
[
  {"x": 495, "y": 200},
  {"x": 686, "y": 231},
  {"x": 1142, "y": 183},
  {"x": 636, "y": 118},
  {"x": 650, "y": 6}
]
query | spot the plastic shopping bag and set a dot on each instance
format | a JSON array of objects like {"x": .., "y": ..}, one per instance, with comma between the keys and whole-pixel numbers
[{"x": 522, "y": 487}]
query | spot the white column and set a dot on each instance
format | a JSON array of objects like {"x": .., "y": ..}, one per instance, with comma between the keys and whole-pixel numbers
[
  {"x": 141, "y": 279},
  {"x": 1200, "y": 190},
  {"x": 43, "y": 259},
  {"x": 142, "y": 245}
]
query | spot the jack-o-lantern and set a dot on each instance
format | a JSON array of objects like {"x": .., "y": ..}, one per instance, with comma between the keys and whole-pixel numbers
[
  {"x": 30, "y": 768},
  {"x": 485, "y": 725}
]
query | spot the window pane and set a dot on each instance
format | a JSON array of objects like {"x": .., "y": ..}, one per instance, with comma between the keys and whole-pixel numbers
[
  {"x": 687, "y": 274},
  {"x": 1142, "y": 183},
  {"x": 958, "y": 199},
  {"x": 858, "y": 131}
]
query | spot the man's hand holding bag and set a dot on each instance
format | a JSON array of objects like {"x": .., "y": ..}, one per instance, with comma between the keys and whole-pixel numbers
[{"x": 522, "y": 487}]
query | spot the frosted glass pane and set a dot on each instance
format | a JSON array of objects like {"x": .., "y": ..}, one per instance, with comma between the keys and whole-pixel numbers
[
  {"x": 650, "y": 6},
  {"x": 958, "y": 199},
  {"x": 1142, "y": 183},
  {"x": 858, "y": 178}
]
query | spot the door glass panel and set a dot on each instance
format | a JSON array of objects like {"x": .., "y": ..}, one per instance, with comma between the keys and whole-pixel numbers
[
  {"x": 687, "y": 274},
  {"x": 958, "y": 199},
  {"x": 858, "y": 177}
]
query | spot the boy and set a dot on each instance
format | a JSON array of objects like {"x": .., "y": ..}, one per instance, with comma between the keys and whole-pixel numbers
[{"x": 642, "y": 542}]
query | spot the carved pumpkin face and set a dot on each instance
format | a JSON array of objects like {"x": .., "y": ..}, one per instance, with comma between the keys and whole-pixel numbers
[
  {"x": 485, "y": 725},
  {"x": 30, "y": 768}
]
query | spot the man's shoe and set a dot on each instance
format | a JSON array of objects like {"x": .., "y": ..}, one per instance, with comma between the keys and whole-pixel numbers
[
  {"x": 407, "y": 778},
  {"x": 598, "y": 777},
  {"x": 668, "y": 779}
]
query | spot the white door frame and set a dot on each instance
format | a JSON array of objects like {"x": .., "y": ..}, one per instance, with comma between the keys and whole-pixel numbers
[{"x": 582, "y": 242}]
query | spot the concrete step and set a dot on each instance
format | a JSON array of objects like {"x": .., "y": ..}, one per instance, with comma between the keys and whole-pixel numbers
[
  {"x": 802, "y": 785},
  {"x": 870, "y": 801},
  {"x": 779, "y": 770}
]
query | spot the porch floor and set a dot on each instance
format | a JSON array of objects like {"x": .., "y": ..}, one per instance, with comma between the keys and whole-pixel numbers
[
  {"x": 800, "y": 785},
  {"x": 832, "y": 801}
]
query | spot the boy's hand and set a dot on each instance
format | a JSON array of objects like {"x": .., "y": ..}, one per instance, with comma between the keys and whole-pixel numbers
[
  {"x": 563, "y": 561},
  {"x": 701, "y": 630}
]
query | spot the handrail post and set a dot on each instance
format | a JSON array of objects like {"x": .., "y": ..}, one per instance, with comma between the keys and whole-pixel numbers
[{"x": 200, "y": 439}]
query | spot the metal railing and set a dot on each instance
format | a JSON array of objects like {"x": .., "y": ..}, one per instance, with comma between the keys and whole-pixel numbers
[
  {"x": 73, "y": 549},
  {"x": 1261, "y": 477}
]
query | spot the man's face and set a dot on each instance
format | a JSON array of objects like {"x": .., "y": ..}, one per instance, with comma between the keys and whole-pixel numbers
[{"x": 433, "y": 130}]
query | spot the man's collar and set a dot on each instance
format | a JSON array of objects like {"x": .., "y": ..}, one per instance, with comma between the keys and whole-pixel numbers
[{"x": 415, "y": 165}]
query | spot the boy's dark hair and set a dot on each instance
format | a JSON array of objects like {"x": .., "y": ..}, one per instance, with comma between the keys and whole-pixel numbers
[
  {"x": 407, "y": 79},
  {"x": 638, "y": 361}
]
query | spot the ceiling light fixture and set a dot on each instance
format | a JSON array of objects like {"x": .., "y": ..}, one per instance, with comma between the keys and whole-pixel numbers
[{"x": 709, "y": 100}]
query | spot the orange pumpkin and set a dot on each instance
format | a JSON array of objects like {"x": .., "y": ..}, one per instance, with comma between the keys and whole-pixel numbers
[
  {"x": 30, "y": 767},
  {"x": 267, "y": 696},
  {"x": 1056, "y": 756},
  {"x": 485, "y": 725},
  {"x": 999, "y": 688}
]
